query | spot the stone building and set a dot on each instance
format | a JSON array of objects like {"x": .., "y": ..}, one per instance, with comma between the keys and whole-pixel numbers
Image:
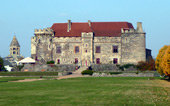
[
  {"x": 14, "y": 50},
  {"x": 89, "y": 43}
]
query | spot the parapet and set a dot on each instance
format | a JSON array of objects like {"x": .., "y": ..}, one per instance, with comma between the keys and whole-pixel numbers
[
  {"x": 139, "y": 29},
  {"x": 127, "y": 30},
  {"x": 46, "y": 31}
]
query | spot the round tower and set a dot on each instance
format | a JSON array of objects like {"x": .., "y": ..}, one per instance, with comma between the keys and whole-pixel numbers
[{"x": 14, "y": 47}]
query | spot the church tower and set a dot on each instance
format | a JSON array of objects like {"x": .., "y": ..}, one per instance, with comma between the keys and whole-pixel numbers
[{"x": 14, "y": 47}]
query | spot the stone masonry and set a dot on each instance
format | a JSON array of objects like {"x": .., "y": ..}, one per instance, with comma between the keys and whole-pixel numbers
[{"x": 89, "y": 43}]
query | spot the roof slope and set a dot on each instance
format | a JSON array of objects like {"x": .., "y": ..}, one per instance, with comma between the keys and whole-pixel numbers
[
  {"x": 15, "y": 42},
  {"x": 27, "y": 60},
  {"x": 60, "y": 29},
  {"x": 109, "y": 28},
  {"x": 98, "y": 28}
]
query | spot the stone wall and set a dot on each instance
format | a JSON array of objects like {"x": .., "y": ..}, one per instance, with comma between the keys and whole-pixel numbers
[
  {"x": 46, "y": 68},
  {"x": 133, "y": 47},
  {"x": 104, "y": 67},
  {"x": 41, "y": 45},
  {"x": 68, "y": 54},
  {"x": 106, "y": 45}
]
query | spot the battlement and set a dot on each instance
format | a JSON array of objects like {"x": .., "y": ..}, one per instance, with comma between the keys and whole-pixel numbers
[{"x": 46, "y": 31}]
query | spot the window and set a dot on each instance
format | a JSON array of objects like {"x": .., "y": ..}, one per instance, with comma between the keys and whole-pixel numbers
[
  {"x": 115, "y": 61},
  {"x": 76, "y": 60},
  {"x": 77, "y": 49},
  {"x": 97, "y": 49},
  {"x": 97, "y": 60},
  {"x": 39, "y": 41},
  {"x": 115, "y": 49},
  {"x": 86, "y": 51},
  {"x": 58, "y": 49},
  {"x": 58, "y": 61},
  {"x": 86, "y": 45},
  {"x": 13, "y": 48},
  {"x": 13, "y": 52}
]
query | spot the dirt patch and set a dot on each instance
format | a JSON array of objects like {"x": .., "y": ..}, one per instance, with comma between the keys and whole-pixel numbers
[
  {"x": 27, "y": 80},
  {"x": 162, "y": 83}
]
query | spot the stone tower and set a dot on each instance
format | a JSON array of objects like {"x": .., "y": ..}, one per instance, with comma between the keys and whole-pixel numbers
[{"x": 14, "y": 47}]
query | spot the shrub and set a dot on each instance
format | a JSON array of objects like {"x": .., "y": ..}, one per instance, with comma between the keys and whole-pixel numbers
[
  {"x": 18, "y": 68},
  {"x": 126, "y": 66},
  {"x": 50, "y": 62},
  {"x": 146, "y": 65},
  {"x": 87, "y": 72},
  {"x": 115, "y": 73}
]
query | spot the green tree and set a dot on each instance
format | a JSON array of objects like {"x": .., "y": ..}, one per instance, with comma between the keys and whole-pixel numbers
[
  {"x": 159, "y": 58},
  {"x": 2, "y": 65}
]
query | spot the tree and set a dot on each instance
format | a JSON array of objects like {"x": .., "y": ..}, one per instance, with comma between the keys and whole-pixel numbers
[
  {"x": 159, "y": 58},
  {"x": 165, "y": 64},
  {"x": 2, "y": 65}
]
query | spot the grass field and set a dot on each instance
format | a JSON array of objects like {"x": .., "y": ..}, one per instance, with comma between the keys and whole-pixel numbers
[
  {"x": 28, "y": 73},
  {"x": 91, "y": 91}
]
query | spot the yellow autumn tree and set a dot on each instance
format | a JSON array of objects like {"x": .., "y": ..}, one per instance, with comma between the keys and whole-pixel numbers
[
  {"x": 159, "y": 58},
  {"x": 165, "y": 64}
]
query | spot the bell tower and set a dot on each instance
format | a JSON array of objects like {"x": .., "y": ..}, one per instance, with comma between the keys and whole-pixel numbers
[{"x": 14, "y": 47}]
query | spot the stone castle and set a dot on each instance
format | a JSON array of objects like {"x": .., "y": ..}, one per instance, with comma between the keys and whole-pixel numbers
[{"x": 90, "y": 43}]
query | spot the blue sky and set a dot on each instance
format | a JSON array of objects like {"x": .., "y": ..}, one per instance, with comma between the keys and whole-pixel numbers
[{"x": 23, "y": 16}]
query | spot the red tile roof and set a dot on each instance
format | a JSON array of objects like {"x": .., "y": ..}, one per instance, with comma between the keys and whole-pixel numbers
[{"x": 98, "y": 28}]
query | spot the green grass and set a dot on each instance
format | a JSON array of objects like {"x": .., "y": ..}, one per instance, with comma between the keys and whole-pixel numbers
[
  {"x": 91, "y": 91},
  {"x": 28, "y": 73}
]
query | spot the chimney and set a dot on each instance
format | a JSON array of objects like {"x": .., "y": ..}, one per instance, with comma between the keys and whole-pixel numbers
[
  {"x": 89, "y": 22},
  {"x": 69, "y": 26},
  {"x": 139, "y": 27}
]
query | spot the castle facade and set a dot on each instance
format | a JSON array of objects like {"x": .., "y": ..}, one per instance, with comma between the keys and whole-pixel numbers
[{"x": 90, "y": 43}]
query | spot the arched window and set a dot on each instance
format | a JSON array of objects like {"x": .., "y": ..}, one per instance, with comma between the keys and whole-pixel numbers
[{"x": 58, "y": 61}]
